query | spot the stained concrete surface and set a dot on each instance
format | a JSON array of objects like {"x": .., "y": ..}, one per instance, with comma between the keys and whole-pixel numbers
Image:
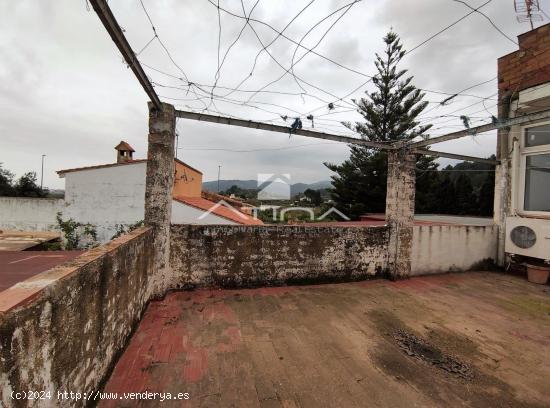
[
  {"x": 476, "y": 339},
  {"x": 16, "y": 266}
]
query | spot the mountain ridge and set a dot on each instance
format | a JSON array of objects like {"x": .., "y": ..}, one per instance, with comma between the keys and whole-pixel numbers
[{"x": 295, "y": 188}]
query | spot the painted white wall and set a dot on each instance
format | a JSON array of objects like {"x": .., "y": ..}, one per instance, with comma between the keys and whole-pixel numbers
[
  {"x": 29, "y": 214},
  {"x": 103, "y": 197},
  {"x": 185, "y": 214},
  {"x": 114, "y": 195},
  {"x": 451, "y": 248},
  {"x": 106, "y": 196}
]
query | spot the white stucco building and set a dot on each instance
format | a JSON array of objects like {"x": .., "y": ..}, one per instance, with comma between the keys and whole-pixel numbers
[{"x": 113, "y": 194}]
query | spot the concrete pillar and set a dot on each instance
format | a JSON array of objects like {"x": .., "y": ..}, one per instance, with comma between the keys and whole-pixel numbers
[
  {"x": 158, "y": 190},
  {"x": 400, "y": 211}
]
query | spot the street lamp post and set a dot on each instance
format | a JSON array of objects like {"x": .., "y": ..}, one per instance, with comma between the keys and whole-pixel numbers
[
  {"x": 42, "y": 173},
  {"x": 219, "y": 169}
]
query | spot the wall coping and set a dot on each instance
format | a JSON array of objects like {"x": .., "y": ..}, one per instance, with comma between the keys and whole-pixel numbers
[
  {"x": 275, "y": 226},
  {"x": 440, "y": 226},
  {"x": 27, "y": 291}
]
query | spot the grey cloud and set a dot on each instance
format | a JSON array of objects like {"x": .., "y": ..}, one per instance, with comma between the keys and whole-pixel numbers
[{"x": 65, "y": 91}]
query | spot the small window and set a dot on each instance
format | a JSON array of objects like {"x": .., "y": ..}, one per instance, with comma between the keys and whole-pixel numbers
[
  {"x": 537, "y": 136},
  {"x": 537, "y": 181}
]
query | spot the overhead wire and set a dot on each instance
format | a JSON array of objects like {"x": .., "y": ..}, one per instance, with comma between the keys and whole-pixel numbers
[
  {"x": 347, "y": 8},
  {"x": 446, "y": 28},
  {"x": 220, "y": 65},
  {"x": 490, "y": 21},
  {"x": 420, "y": 45},
  {"x": 166, "y": 48},
  {"x": 279, "y": 34},
  {"x": 285, "y": 69},
  {"x": 193, "y": 87},
  {"x": 161, "y": 42}
]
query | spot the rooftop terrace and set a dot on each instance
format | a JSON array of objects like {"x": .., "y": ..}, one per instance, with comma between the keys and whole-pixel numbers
[{"x": 477, "y": 339}]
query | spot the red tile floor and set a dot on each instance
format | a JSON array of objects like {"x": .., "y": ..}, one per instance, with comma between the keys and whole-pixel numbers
[
  {"x": 16, "y": 266},
  {"x": 338, "y": 345}
]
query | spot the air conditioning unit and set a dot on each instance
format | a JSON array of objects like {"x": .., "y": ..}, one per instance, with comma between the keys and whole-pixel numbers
[{"x": 528, "y": 236}]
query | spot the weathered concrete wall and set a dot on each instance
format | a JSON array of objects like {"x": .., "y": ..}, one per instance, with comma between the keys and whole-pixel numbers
[
  {"x": 75, "y": 320},
  {"x": 236, "y": 256},
  {"x": 452, "y": 248},
  {"x": 29, "y": 214}
]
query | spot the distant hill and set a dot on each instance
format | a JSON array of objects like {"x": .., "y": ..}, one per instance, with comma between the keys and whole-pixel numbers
[
  {"x": 296, "y": 188},
  {"x": 225, "y": 184}
]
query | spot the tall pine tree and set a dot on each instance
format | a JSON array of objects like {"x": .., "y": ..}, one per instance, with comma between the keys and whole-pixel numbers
[{"x": 390, "y": 113}]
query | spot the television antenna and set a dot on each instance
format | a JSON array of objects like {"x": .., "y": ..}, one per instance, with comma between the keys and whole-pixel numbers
[{"x": 528, "y": 10}]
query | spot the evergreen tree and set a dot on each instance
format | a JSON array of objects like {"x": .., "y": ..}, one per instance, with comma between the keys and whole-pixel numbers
[
  {"x": 428, "y": 180},
  {"x": 445, "y": 195},
  {"x": 390, "y": 114},
  {"x": 487, "y": 195},
  {"x": 26, "y": 186},
  {"x": 314, "y": 196},
  {"x": 6, "y": 182},
  {"x": 465, "y": 198}
]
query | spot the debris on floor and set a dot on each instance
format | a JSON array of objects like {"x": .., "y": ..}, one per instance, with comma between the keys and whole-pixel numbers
[{"x": 416, "y": 347}]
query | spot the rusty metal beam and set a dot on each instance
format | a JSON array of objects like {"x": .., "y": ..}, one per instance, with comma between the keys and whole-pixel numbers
[
  {"x": 277, "y": 128},
  {"x": 455, "y": 156},
  {"x": 520, "y": 120},
  {"x": 109, "y": 22}
]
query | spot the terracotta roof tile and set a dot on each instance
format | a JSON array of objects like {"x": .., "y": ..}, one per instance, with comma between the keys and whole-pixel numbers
[{"x": 101, "y": 166}]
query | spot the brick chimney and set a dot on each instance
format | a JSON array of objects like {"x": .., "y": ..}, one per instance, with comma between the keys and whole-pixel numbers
[{"x": 124, "y": 152}]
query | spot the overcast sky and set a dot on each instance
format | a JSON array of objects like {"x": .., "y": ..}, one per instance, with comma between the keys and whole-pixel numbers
[{"x": 66, "y": 92}]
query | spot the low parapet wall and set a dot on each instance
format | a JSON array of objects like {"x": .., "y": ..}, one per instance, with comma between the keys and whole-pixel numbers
[
  {"x": 61, "y": 330},
  {"x": 242, "y": 256},
  {"x": 452, "y": 248}
]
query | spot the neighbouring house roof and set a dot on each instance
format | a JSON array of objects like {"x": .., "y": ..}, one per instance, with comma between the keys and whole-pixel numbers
[
  {"x": 219, "y": 209},
  {"x": 101, "y": 166},
  {"x": 186, "y": 165},
  {"x": 124, "y": 146},
  {"x": 209, "y": 195}
]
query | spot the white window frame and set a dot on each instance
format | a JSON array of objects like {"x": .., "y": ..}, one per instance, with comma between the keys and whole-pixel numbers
[{"x": 523, "y": 154}]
